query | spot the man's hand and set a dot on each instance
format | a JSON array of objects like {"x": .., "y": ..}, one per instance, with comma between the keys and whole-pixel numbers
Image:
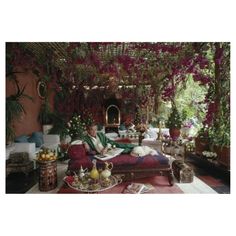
[{"x": 104, "y": 151}]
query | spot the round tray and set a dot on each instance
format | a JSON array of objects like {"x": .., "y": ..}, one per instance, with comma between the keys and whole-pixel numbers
[{"x": 113, "y": 181}]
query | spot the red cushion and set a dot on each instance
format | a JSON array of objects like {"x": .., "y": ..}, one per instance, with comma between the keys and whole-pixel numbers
[
  {"x": 123, "y": 140},
  {"x": 77, "y": 152}
]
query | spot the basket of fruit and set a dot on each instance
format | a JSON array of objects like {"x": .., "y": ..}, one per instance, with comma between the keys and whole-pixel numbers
[
  {"x": 47, "y": 164},
  {"x": 46, "y": 154}
]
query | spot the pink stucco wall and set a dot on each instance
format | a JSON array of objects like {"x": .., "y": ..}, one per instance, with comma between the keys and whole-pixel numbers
[{"x": 28, "y": 122}]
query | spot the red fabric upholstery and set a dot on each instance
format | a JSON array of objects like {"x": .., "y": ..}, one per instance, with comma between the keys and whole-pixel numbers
[
  {"x": 123, "y": 140},
  {"x": 78, "y": 157},
  {"x": 77, "y": 152}
]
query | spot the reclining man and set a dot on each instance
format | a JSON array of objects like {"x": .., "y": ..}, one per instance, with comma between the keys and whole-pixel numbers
[{"x": 99, "y": 143}]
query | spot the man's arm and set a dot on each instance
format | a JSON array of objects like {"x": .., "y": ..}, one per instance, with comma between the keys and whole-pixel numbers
[
  {"x": 88, "y": 149},
  {"x": 128, "y": 147}
]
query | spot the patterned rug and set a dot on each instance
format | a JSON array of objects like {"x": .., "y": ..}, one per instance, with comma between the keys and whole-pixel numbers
[{"x": 160, "y": 184}]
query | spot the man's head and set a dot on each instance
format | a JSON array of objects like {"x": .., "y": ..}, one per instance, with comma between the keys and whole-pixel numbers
[{"x": 92, "y": 130}]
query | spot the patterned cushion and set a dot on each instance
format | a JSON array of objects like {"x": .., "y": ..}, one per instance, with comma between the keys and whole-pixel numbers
[{"x": 19, "y": 157}]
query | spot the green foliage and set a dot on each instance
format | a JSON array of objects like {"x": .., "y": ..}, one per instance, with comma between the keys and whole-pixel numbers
[
  {"x": 59, "y": 126},
  {"x": 164, "y": 109},
  {"x": 184, "y": 115},
  {"x": 45, "y": 116},
  {"x": 190, "y": 99},
  {"x": 220, "y": 130},
  {"x": 219, "y": 93},
  {"x": 219, "y": 133},
  {"x": 174, "y": 120},
  {"x": 76, "y": 127},
  {"x": 220, "y": 136},
  {"x": 203, "y": 133},
  {"x": 88, "y": 118},
  {"x": 155, "y": 119},
  {"x": 14, "y": 109}
]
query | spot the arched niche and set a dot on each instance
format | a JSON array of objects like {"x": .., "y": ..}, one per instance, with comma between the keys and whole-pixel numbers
[{"x": 112, "y": 115}]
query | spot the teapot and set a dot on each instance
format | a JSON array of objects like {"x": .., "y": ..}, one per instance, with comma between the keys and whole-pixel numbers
[{"x": 106, "y": 173}]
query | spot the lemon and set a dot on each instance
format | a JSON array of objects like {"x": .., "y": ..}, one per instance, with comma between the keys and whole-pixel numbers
[{"x": 47, "y": 156}]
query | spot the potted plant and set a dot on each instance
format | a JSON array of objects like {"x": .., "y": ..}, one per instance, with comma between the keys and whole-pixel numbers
[
  {"x": 76, "y": 127},
  {"x": 45, "y": 117},
  {"x": 220, "y": 139},
  {"x": 220, "y": 132},
  {"x": 202, "y": 141},
  {"x": 59, "y": 126},
  {"x": 174, "y": 123}
]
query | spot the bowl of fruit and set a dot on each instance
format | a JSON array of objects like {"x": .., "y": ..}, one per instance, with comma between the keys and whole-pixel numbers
[{"x": 46, "y": 155}]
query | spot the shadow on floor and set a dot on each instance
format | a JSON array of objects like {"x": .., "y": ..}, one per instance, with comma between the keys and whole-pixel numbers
[
  {"x": 218, "y": 181},
  {"x": 20, "y": 183}
]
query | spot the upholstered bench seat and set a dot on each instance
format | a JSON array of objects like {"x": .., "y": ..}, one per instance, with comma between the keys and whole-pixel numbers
[
  {"x": 123, "y": 161},
  {"x": 132, "y": 167}
]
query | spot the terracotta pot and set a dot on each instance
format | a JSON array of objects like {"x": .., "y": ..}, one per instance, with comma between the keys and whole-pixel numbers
[
  {"x": 174, "y": 133},
  {"x": 223, "y": 155},
  {"x": 201, "y": 144}
]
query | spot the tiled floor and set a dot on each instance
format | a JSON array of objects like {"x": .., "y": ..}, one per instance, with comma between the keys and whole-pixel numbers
[{"x": 217, "y": 181}]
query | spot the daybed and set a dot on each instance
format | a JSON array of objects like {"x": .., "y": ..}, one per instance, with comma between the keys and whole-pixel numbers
[{"x": 129, "y": 166}]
